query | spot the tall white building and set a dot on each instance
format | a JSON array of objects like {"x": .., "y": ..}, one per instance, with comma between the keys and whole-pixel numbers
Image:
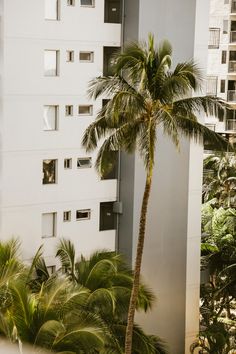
[
  {"x": 221, "y": 68},
  {"x": 51, "y": 49}
]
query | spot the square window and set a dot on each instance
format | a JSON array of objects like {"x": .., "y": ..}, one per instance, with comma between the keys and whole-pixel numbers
[
  {"x": 49, "y": 225},
  {"x": 69, "y": 111},
  {"x": 86, "y": 110},
  {"x": 89, "y": 3},
  {"x": 67, "y": 164},
  {"x": 51, "y": 59},
  {"x": 70, "y": 54},
  {"x": 50, "y": 118},
  {"x": 84, "y": 162},
  {"x": 84, "y": 214},
  {"x": 70, "y": 2},
  {"x": 67, "y": 216},
  {"x": 86, "y": 57},
  {"x": 49, "y": 171},
  {"x": 51, "y": 10}
]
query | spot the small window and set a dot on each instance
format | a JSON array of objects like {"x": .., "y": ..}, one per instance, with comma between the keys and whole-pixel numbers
[
  {"x": 51, "y": 269},
  {"x": 70, "y": 2},
  {"x": 51, "y": 10},
  {"x": 84, "y": 162},
  {"x": 86, "y": 57},
  {"x": 67, "y": 164},
  {"x": 67, "y": 216},
  {"x": 49, "y": 171},
  {"x": 225, "y": 26},
  {"x": 51, "y": 59},
  {"x": 50, "y": 118},
  {"x": 49, "y": 225},
  {"x": 107, "y": 217},
  {"x": 86, "y": 110},
  {"x": 69, "y": 111},
  {"x": 211, "y": 86},
  {"x": 222, "y": 86},
  {"x": 70, "y": 54},
  {"x": 214, "y": 38},
  {"x": 223, "y": 56},
  {"x": 226, "y": 2},
  {"x": 89, "y": 3},
  {"x": 83, "y": 214}
]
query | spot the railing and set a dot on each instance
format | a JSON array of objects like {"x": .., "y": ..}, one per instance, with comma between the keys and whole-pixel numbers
[
  {"x": 230, "y": 124},
  {"x": 232, "y": 36},
  {"x": 232, "y": 66},
  {"x": 231, "y": 96},
  {"x": 233, "y": 6}
]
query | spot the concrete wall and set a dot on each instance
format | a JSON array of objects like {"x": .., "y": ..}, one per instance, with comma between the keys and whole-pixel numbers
[
  {"x": 25, "y": 35},
  {"x": 172, "y": 250}
]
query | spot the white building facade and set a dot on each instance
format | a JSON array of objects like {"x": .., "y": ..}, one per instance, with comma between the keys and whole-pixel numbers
[
  {"x": 221, "y": 68},
  {"x": 50, "y": 50}
]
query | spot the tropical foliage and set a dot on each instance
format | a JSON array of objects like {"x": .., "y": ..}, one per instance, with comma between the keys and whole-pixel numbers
[
  {"x": 146, "y": 96},
  {"x": 78, "y": 310}
]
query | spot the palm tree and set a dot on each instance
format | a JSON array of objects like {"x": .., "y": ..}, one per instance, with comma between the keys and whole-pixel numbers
[{"x": 147, "y": 96}]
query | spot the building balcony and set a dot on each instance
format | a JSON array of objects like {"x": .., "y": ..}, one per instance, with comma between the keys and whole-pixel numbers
[
  {"x": 231, "y": 97},
  {"x": 230, "y": 124},
  {"x": 233, "y": 37},
  {"x": 232, "y": 66},
  {"x": 233, "y": 7}
]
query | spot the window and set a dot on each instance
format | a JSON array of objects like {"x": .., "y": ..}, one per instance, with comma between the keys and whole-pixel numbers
[
  {"x": 70, "y": 2},
  {"x": 49, "y": 171},
  {"x": 51, "y": 10},
  {"x": 112, "y": 11},
  {"x": 222, "y": 86},
  {"x": 107, "y": 217},
  {"x": 211, "y": 87},
  {"x": 86, "y": 110},
  {"x": 51, "y": 269},
  {"x": 108, "y": 59},
  {"x": 70, "y": 56},
  {"x": 225, "y": 26},
  {"x": 84, "y": 214},
  {"x": 211, "y": 127},
  {"x": 214, "y": 38},
  {"x": 113, "y": 174},
  {"x": 223, "y": 56},
  {"x": 84, "y": 162},
  {"x": 67, "y": 216},
  {"x": 87, "y": 3},
  {"x": 51, "y": 62},
  {"x": 50, "y": 117},
  {"x": 49, "y": 225},
  {"x": 69, "y": 111},
  {"x": 226, "y": 2},
  {"x": 86, "y": 57},
  {"x": 67, "y": 164}
]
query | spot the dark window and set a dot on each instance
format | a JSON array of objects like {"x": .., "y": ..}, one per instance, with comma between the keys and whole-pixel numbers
[
  {"x": 113, "y": 11},
  {"x": 107, "y": 217},
  {"x": 69, "y": 111},
  {"x": 87, "y": 2},
  {"x": 223, "y": 56},
  {"x": 108, "y": 59},
  {"x": 214, "y": 38},
  {"x": 222, "y": 86},
  {"x": 84, "y": 214},
  {"x": 84, "y": 162},
  {"x": 49, "y": 171},
  {"x": 113, "y": 174}
]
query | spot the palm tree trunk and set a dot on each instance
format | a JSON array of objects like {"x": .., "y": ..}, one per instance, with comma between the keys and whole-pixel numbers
[{"x": 138, "y": 262}]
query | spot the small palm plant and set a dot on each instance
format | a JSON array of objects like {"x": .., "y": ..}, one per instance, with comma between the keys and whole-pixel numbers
[{"x": 147, "y": 96}]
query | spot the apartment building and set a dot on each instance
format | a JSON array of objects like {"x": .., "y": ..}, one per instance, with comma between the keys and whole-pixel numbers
[
  {"x": 51, "y": 49},
  {"x": 221, "y": 80}
]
